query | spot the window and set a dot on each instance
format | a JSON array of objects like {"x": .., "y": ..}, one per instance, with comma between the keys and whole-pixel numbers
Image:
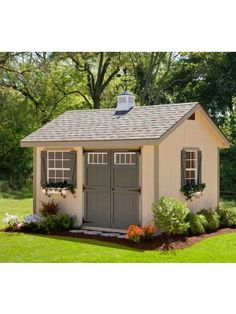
[
  {"x": 58, "y": 167},
  {"x": 97, "y": 158},
  {"x": 191, "y": 167},
  {"x": 126, "y": 158}
]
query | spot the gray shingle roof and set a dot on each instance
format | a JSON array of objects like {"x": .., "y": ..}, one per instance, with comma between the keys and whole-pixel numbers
[{"x": 149, "y": 122}]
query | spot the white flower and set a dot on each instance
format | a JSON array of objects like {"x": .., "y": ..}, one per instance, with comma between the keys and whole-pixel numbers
[{"x": 11, "y": 220}]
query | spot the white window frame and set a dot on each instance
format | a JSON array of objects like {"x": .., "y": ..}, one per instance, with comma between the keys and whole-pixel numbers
[
  {"x": 92, "y": 162},
  {"x": 192, "y": 169},
  {"x": 119, "y": 163},
  {"x": 63, "y": 178}
]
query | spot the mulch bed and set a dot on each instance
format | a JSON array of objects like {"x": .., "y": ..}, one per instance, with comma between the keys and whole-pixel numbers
[{"x": 162, "y": 242}]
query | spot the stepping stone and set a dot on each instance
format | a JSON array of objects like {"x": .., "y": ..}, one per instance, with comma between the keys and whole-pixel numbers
[
  {"x": 109, "y": 234},
  {"x": 121, "y": 236},
  {"x": 92, "y": 232},
  {"x": 76, "y": 231}
]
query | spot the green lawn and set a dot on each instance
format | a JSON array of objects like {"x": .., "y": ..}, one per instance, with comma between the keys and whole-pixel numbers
[
  {"x": 35, "y": 248},
  {"x": 15, "y": 247},
  {"x": 17, "y": 203}
]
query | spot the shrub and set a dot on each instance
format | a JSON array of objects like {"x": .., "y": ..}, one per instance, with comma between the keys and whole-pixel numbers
[
  {"x": 213, "y": 219},
  {"x": 227, "y": 217},
  {"x": 54, "y": 223},
  {"x": 170, "y": 216},
  {"x": 134, "y": 233},
  {"x": 11, "y": 220},
  {"x": 197, "y": 223},
  {"x": 148, "y": 231},
  {"x": 49, "y": 208},
  {"x": 64, "y": 222}
]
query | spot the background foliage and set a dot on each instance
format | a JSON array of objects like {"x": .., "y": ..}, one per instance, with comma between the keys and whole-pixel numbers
[{"x": 36, "y": 87}]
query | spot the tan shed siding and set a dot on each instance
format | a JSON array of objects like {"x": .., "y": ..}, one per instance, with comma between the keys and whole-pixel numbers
[
  {"x": 192, "y": 133},
  {"x": 156, "y": 173},
  {"x": 148, "y": 194},
  {"x": 72, "y": 204},
  {"x": 218, "y": 175},
  {"x": 34, "y": 178}
]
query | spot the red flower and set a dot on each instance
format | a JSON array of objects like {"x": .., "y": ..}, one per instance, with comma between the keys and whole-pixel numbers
[
  {"x": 148, "y": 231},
  {"x": 134, "y": 233}
]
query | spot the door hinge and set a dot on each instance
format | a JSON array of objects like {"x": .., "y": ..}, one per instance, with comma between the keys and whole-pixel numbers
[
  {"x": 85, "y": 188},
  {"x": 135, "y": 190}
]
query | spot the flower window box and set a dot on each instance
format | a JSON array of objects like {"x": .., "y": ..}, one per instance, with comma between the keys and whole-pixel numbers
[{"x": 61, "y": 189}]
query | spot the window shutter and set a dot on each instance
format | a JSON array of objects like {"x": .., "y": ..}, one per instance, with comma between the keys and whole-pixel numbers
[
  {"x": 199, "y": 167},
  {"x": 43, "y": 167},
  {"x": 73, "y": 168},
  {"x": 183, "y": 167}
]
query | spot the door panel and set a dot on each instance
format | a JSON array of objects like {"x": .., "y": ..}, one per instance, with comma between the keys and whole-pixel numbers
[
  {"x": 125, "y": 190},
  {"x": 125, "y": 209},
  {"x": 97, "y": 208},
  {"x": 125, "y": 177},
  {"x": 97, "y": 190},
  {"x": 98, "y": 176}
]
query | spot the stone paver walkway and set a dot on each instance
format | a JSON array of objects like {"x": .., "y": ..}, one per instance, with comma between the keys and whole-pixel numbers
[{"x": 103, "y": 234}]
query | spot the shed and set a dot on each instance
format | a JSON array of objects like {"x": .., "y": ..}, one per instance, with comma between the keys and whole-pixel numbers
[{"x": 119, "y": 161}]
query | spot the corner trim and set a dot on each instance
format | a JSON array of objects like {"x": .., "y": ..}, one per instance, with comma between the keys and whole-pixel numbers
[
  {"x": 34, "y": 179},
  {"x": 218, "y": 176}
]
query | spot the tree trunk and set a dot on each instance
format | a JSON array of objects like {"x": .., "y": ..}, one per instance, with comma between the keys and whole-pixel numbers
[{"x": 96, "y": 101}]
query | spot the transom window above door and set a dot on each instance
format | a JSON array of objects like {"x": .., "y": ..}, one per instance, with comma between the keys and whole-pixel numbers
[
  {"x": 191, "y": 167},
  {"x": 58, "y": 169},
  {"x": 98, "y": 158},
  {"x": 125, "y": 158}
]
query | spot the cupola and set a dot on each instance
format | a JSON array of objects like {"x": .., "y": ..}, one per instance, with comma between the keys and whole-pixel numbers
[{"x": 125, "y": 102}]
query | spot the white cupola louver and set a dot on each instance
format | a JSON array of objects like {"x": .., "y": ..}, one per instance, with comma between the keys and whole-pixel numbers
[{"x": 125, "y": 102}]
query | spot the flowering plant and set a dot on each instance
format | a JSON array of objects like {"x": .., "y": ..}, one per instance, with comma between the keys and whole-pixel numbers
[
  {"x": 11, "y": 220},
  {"x": 32, "y": 219},
  {"x": 49, "y": 208},
  {"x": 134, "y": 233},
  {"x": 194, "y": 190},
  {"x": 148, "y": 231}
]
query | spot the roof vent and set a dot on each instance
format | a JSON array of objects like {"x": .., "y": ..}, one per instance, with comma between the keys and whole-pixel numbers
[{"x": 125, "y": 102}]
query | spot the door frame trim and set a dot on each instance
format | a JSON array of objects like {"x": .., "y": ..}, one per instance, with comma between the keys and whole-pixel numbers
[{"x": 110, "y": 150}]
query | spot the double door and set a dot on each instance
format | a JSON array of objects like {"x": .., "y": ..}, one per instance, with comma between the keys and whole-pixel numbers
[{"x": 112, "y": 189}]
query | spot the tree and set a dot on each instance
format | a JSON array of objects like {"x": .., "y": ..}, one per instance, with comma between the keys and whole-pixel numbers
[
  {"x": 99, "y": 69},
  {"x": 151, "y": 71},
  {"x": 37, "y": 78},
  {"x": 209, "y": 78},
  {"x": 16, "y": 163}
]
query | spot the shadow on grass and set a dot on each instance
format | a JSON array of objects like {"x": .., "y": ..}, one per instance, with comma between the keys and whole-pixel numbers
[
  {"x": 18, "y": 195},
  {"x": 88, "y": 241}
]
